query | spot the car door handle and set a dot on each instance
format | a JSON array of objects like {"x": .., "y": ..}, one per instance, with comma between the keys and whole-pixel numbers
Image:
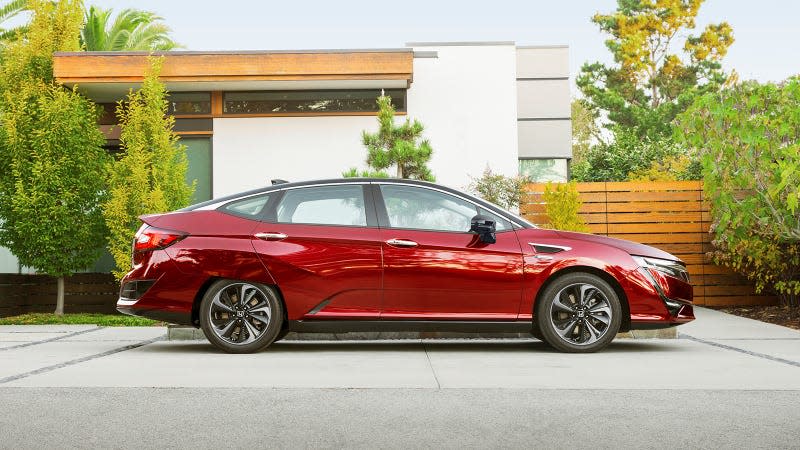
[
  {"x": 405, "y": 243},
  {"x": 271, "y": 236}
]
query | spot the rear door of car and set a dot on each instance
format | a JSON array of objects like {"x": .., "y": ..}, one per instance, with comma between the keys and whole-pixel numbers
[
  {"x": 322, "y": 245},
  {"x": 434, "y": 268}
]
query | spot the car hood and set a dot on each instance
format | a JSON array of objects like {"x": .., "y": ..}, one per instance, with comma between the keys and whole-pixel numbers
[{"x": 632, "y": 248}]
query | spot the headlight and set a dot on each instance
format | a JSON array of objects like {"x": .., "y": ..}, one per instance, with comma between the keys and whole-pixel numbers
[{"x": 665, "y": 266}]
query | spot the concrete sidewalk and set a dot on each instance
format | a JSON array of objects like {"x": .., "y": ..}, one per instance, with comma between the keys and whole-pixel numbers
[{"x": 718, "y": 351}]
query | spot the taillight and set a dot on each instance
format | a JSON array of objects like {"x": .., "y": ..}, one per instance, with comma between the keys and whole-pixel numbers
[{"x": 151, "y": 238}]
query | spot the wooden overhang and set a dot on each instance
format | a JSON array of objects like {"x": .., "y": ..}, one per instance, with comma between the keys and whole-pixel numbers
[{"x": 215, "y": 67}]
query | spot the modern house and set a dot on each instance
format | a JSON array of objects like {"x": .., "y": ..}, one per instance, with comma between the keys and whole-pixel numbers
[{"x": 247, "y": 117}]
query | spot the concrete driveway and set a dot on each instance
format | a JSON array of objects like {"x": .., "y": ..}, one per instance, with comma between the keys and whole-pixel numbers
[{"x": 727, "y": 381}]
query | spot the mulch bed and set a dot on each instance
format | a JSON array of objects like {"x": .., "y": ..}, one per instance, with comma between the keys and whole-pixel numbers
[{"x": 779, "y": 315}]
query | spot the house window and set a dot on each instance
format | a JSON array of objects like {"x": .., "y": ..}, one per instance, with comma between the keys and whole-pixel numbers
[
  {"x": 544, "y": 169},
  {"x": 188, "y": 103},
  {"x": 277, "y": 102}
]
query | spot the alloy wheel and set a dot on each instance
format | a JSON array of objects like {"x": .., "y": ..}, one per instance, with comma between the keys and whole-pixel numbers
[
  {"x": 240, "y": 313},
  {"x": 580, "y": 314}
]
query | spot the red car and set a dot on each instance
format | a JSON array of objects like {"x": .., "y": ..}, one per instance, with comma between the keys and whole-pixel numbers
[{"x": 391, "y": 255}]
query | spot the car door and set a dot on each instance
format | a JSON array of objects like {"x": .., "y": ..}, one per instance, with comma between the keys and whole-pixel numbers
[
  {"x": 321, "y": 245},
  {"x": 434, "y": 268}
]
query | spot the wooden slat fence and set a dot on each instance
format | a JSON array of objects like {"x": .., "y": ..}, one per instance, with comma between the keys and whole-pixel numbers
[
  {"x": 85, "y": 293},
  {"x": 669, "y": 215}
]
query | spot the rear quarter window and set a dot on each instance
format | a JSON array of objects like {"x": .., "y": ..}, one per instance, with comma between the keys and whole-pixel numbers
[{"x": 249, "y": 208}]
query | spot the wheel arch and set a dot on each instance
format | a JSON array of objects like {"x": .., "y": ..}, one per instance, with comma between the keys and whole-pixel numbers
[
  {"x": 198, "y": 298},
  {"x": 625, "y": 324}
]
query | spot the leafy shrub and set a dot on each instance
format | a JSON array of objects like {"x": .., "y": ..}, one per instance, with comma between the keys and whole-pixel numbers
[
  {"x": 684, "y": 167},
  {"x": 499, "y": 189},
  {"x": 149, "y": 176},
  {"x": 627, "y": 153},
  {"x": 750, "y": 138},
  {"x": 562, "y": 203}
]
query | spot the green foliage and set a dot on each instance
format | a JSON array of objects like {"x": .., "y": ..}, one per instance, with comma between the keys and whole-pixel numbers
[
  {"x": 750, "y": 139},
  {"x": 103, "y": 320},
  {"x": 149, "y": 175},
  {"x": 396, "y": 145},
  {"x": 52, "y": 164},
  {"x": 648, "y": 84},
  {"x": 354, "y": 173},
  {"x": 562, "y": 203},
  {"x": 585, "y": 130},
  {"x": 499, "y": 189},
  {"x": 628, "y": 153},
  {"x": 131, "y": 30},
  {"x": 680, "y": 167}
]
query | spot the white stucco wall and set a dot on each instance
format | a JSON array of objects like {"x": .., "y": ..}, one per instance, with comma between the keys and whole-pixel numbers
[
  {"x": 248, "y": 152},
  {"x": 467, "y": 99}
]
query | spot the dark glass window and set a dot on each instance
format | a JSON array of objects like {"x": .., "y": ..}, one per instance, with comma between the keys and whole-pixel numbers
[
  {"x": 324, "y": 205},
  {"x": 108, "y": 114},
  {"x": 270, "y": 102},
  {"x": 189, "y": 103}
]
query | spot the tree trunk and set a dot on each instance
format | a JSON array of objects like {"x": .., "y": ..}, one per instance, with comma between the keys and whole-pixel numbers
[
  {"x": 60, "y": 299},
  {"x": 399, "y": 171}
]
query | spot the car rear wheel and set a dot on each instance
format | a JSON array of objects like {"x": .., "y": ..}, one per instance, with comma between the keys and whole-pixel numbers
[
  {"x": 240, "y": 317},
  {"x": 578, "y": 313}
]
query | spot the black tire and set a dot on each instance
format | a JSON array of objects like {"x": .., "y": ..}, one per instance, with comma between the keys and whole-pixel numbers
[
  {"x": 282, "y": 334},
  {"x": 586, "y": 317},
  {"x": 537, "y": 333},
  {"x": 241, "y": 316}
]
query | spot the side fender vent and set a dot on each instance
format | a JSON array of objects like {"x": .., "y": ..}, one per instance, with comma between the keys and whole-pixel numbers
[{"x": 548, "y": 248}]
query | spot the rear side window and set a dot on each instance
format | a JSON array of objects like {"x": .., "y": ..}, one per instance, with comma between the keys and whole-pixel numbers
[
  {"x": 324, "y": 205},
  {"x": 250, "y": 207}
]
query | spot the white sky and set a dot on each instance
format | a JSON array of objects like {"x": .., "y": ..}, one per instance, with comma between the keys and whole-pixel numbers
[{"x": 767, "y": 34}]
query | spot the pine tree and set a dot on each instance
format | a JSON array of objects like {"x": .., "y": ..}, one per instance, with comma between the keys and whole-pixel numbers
[{"x": 401, "y": 146}]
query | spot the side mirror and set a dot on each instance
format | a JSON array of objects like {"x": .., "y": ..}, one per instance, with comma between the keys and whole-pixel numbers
[{"x": 484, "y": 227}]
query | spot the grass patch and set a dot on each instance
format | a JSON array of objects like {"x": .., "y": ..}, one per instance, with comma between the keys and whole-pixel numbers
[{"x": 104, "y": 320}]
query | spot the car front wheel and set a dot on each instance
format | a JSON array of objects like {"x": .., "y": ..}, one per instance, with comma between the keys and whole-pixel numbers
[
  {"x": 578, "y": 313},
  {"x": 240, "y": 317}
]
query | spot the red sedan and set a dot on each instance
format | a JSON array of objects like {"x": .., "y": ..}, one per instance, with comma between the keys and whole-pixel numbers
[{"x": 391, "y": 255}]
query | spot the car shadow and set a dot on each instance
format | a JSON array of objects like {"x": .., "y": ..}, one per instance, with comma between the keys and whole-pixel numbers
[{"x": 415, "y": 345}]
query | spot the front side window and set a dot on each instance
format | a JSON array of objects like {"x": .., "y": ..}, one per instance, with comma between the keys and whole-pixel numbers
[
  {"x": 425, "y": 209},
  {"x": 324, "y": 205}
]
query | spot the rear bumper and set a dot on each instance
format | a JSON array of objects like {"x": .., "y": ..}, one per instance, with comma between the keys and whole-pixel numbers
[
  {"x": 158, "y": 290},
  {"x": 178, "y": 318}
]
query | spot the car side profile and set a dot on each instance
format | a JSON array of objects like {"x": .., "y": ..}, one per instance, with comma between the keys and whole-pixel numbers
[{"x": 391, "y": 255}]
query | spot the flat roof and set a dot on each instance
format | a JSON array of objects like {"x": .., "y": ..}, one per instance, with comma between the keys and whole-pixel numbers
[{"x": 110, "y": 67}]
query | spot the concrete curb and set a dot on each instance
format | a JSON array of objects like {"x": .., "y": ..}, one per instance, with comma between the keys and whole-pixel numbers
[{"x": 182, "y": 333}]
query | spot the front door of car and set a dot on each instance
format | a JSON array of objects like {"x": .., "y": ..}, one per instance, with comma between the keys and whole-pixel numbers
[
  {"x": 321, "y": 245},
  {"x": 434, "y": 268}
]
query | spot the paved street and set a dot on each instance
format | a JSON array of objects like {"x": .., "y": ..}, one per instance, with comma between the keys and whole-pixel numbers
[{"x": 728, "y": 382}]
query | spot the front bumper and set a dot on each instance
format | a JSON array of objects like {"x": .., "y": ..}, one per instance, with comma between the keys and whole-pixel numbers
[{"x": 658, "y": 301}]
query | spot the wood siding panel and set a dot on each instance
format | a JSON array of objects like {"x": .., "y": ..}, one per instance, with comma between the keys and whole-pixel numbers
[
  {"x": 84, "y": 67},
  {"x": 671, "y": 216}
]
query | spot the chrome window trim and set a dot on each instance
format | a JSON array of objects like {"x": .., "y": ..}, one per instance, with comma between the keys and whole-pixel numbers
[{"x": 222, "y": 203}]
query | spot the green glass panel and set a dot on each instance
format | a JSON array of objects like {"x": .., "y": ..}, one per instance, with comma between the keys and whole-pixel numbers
[
  {"x": 541, "y": 170},
  {"x": 198, "y": 152}
]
